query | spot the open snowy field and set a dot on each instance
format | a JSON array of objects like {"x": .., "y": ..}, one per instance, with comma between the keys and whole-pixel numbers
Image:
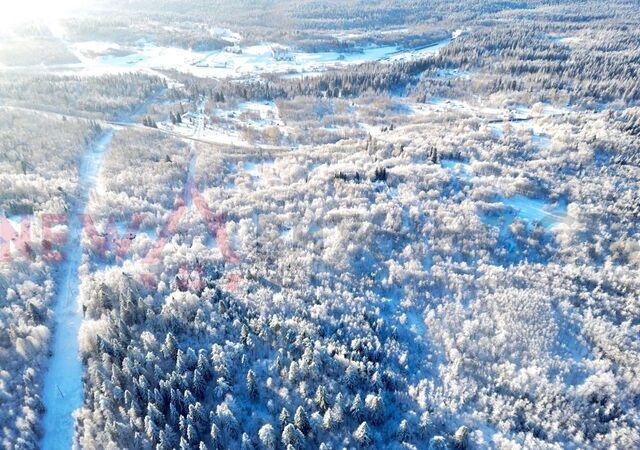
[{"x": 235, "y": 61}]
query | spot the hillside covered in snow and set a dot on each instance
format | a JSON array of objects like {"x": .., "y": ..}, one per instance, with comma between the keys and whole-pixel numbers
[{"x": 321, "y": 224}]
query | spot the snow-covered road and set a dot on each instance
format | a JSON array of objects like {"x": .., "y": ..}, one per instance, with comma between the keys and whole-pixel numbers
[{"x": 63, "y": 380}]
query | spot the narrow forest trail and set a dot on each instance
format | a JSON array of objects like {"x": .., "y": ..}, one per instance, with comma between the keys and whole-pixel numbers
[
  {"x": 193, "y": 154},
  {"x": 62, "y": 393}
]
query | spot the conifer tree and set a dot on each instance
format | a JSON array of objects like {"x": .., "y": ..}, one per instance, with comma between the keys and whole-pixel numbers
[
  {"x": 357, "y": 408},
  {"x": 252, "y": 389},
  {"x": 283, "y": 418},
  {"x": 363, "y": 434},
  {"x": 301, "y": 421},
  {"x": 214, "y": 434},
  {"x": 291, "y": 436},
  {"x": 321, "y": 398},
  {"x": 403, "y": 432}
]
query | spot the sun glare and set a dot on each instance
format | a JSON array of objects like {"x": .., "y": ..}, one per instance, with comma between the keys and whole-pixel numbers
[{"x": 22, "y": 11}]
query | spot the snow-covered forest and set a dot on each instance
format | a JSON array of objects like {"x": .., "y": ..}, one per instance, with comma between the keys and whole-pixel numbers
[{"x": 323, "y": 225}]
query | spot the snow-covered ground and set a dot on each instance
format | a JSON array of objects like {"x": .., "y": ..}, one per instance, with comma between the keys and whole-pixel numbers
[
  {"x": 16, "y": 222},
  {"x": 458, "y": 168},
  {"x": 257, "y": 114},
  {"x": 226, "y": 34},
  {"x": 539, "y": 139},
  {"x": 438, "y": 104},
  {"x": 487, "y": 110},
  {"x": 411, "y": 54},
  {"x": 97, "y": 57},
  {"x": 530, "y": 210},
  {"x": 224, "y": 125},
  {"x": 567, "y": 39},
  {"x": 450, "y": 74},
  {"x": 62, "y": 393},
  {"x": 257, "y": 169},
  {"x": 267, "y": 112},
  {"x": 535, "y": 210},
  {"x": 213, "y": 134}
]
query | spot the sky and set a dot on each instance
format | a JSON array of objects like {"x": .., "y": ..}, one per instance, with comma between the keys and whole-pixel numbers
[{"x": 19, "y": 11}]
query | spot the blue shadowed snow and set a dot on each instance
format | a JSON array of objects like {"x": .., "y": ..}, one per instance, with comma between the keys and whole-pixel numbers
[
  {"x": 120, "y": 60},
  {"x": 256, "y": 168},
  {"x": 16, "y": 222},
  {"x": 540, "y": 140},
  {"x": 532, "y": 212},
  {"x": 250, "y": 166},
  {"x": 529, "y": 210},
  {"x": 449, "y": 164},
  {"x": 458, "y": 168},
  {"x": 536, "y": 210}
]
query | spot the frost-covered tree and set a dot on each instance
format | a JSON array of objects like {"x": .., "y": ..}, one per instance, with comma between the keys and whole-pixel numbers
[
  {"x": 267, "y": 437},
  {"x": 438, "y": 443},
  {"x": 460, "y": 437},
  {"x": 291, "y": 436},
  {"x": 321, "y": 398},
  {"x": 357, "y": 408},
  {"x": 283, "y": 417},
  {"x": 252, "y": 388},
  {"x": 301, "y": 421},
  {"x": 362, "y": 435}
]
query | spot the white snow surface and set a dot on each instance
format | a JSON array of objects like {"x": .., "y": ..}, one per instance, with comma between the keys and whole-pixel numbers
[{"x": 236, "y": 61}]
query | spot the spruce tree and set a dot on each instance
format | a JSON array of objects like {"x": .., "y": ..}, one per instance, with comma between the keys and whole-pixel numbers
[
  {"x": 246, "y": 443},
  {"x": 301, "y": 421},
  {"x": 321, "y": 398},
  {"x": 283, "y": 418},
  {"x": 216, "y": 443},
  {"x": 460, "y": 438},
  {"x": 403, "y": 430},
  {"x": 252, "y": 389},
  {"x": 357, "y": 409},
  {"x": 291, "y": 436},
  {"x": 363, "y": 434}
]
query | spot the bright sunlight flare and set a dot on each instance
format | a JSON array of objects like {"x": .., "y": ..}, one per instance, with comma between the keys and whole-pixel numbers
[{"x": 17, "y": 12}]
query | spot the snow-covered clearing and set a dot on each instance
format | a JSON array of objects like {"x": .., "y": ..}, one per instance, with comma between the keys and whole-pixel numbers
[
  {"x": 225, "y": 126},
  {"x": 260, "y": 114},
  {"x": 534, "y": 210},
  {"x": 487, "y": 110},
  {"x": 458, "y": 168},
  {"x": 567, "y": 39},
  {"x": 257, "y": 169},
  {"x": 450, "y": 74},
  {"x": 212, "y": 134},
  {"x": 63, "y": 381},
  {"x": 530, "y": 210}
]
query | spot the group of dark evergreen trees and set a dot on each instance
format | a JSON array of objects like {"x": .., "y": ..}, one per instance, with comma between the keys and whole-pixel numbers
[
  {"x": 147, "y": 121},
  {"x": 175, "y": 118}
]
